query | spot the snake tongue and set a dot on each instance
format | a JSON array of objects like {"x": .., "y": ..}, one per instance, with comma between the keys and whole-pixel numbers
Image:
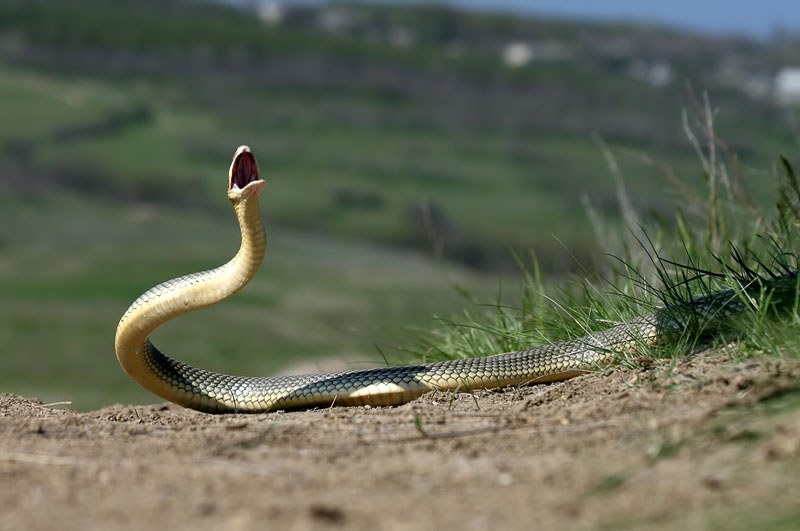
[{"x": 244, "y": 169}]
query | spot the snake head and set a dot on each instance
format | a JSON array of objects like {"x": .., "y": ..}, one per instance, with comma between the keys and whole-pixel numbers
[{"x": 243, "y": 177}]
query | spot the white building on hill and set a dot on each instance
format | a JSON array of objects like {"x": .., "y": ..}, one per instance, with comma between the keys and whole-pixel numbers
[{"x": 787, "y": 86}]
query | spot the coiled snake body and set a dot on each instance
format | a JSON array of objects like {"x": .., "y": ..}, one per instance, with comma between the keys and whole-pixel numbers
[{"x": 213, "y": 392}]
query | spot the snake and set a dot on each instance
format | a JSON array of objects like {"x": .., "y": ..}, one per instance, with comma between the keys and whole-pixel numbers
[{"x": 214, "y": 392}]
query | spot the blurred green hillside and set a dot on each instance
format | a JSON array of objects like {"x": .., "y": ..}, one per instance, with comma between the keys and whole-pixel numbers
[{"x": 404, "y": 153}]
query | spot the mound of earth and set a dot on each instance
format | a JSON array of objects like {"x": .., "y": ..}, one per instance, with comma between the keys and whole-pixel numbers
[{"x": 706, "y": 442}]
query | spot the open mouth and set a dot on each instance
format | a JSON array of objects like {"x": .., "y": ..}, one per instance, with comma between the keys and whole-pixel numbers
[{"x": 244, "y": 169}]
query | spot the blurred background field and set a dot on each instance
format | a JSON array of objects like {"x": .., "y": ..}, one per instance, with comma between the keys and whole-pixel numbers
[{"x": 408, "y": 149}]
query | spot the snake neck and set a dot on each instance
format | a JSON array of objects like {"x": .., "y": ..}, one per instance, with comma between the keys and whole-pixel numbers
[
  {"x": 245, "y": 264},
  {"x": 165, "y": 301}
]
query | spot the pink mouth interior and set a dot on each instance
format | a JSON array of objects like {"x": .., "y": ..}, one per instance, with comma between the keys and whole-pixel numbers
[{"x": 245, "y": 170}]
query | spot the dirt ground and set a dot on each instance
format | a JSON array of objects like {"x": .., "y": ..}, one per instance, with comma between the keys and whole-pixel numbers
[{"x": 710, "y": 443}]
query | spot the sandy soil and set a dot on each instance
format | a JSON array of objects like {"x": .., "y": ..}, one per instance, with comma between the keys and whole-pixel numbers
[{"x": 708, "y": 443}]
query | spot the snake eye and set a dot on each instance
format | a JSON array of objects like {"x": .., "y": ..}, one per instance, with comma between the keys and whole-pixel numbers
[{"x": 244, "y": 169}]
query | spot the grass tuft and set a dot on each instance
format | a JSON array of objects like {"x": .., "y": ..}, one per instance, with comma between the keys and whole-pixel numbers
[{"x": 717, "y": 242}]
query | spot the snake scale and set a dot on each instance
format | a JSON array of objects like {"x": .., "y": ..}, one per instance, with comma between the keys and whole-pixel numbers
[{"x": 213, "y": 392}]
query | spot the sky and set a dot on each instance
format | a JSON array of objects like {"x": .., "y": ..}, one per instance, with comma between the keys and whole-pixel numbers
[{"x": 756, "y": 19}]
